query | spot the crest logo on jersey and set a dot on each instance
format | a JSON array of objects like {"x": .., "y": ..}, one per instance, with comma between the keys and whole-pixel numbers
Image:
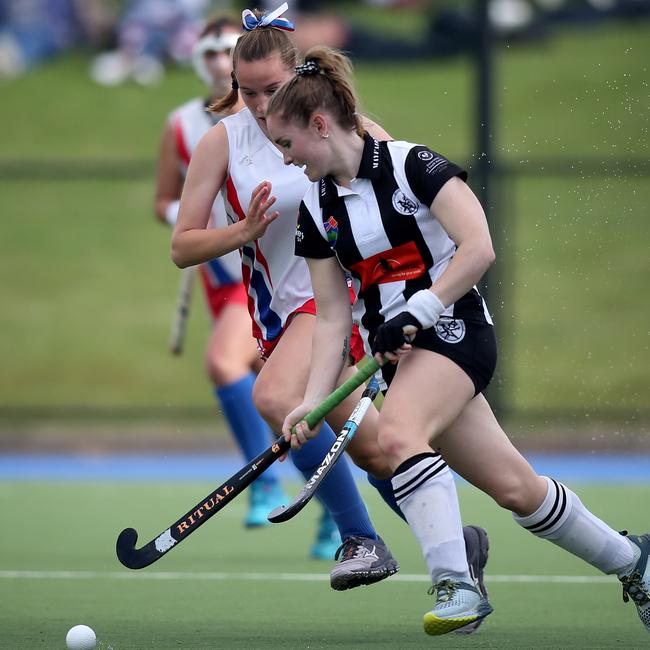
[
  {"x": 450, "y": 330},
  {"x": 300, "y": 235},
  {"x": 403, "y": 204},
  {"x": 332, "y": 231},
  {"x": 425, "y": 155}
]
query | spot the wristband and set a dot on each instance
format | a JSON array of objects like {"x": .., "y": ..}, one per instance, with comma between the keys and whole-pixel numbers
[
  {"x": 171, "y": 213},
  {"x": 426, "y": 307}
]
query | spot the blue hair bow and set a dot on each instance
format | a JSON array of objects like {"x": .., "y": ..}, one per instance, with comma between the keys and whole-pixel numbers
[{"x": 272, "y": 19}]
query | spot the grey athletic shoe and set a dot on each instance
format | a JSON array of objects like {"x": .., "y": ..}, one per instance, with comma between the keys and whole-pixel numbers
[
  {"x": 457, "y": 605},
  {"x": 363, "y": 561},
  {"x": 636, "y": 585},
  {"x": 477, "y": 546}
]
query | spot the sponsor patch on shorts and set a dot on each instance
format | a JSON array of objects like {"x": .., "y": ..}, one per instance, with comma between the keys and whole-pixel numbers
[{"x": 450, "y": 330}]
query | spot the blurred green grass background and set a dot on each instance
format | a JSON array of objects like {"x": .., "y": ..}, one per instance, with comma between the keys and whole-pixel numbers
[{"x": 88, "y": 288}]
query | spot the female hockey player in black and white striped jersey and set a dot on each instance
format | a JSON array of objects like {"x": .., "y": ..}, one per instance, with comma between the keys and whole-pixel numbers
[
  {"x": 400, "y": 220},
  {"x": 233, "y": 158}
]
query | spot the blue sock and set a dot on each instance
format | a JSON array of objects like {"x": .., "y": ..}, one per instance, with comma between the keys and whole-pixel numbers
[
  {"x": 251, "y": 432},
  {"x": 338, "y": 492},
  {"x": 385, "y": 488}
]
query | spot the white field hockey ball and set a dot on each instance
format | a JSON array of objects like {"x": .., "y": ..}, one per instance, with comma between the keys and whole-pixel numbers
[{"x": 80, "y": 637}]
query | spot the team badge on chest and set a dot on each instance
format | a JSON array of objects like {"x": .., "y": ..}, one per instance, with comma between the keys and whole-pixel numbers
[
  {"x": 332, "y": 231},
  {"x": 403, "y": 204}
]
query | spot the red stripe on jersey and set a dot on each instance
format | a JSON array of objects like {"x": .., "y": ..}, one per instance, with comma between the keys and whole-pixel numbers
[
  {"x": 233, "y": 199},
  {"x": 394, "y": 265},
  {"x": 181, "y": 147}
]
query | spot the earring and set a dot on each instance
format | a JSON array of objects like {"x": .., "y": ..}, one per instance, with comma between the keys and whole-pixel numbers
[{"x": 326, "y": 135}]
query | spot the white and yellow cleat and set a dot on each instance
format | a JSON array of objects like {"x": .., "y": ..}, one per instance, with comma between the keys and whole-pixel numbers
[
  {"x": 636, "y": 584},
  {"x": 457, "y": 605}
]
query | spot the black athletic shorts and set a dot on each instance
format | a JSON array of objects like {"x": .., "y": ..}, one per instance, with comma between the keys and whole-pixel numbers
[{"x": 469, "y": 344}]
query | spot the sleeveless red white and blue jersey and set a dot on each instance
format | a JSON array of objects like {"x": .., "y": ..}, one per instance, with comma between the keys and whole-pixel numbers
[
  {"x": 276, "y": 280},
  {"x": 382, "y": 231},
  {"x": 190, "y": 123}
]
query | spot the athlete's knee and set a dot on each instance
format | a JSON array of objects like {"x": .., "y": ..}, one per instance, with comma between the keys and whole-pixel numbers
[
  {"x": 518, "y": 493},
  {"x": 272, "y": 403},
  {"x": 215, "y": 371},
  {"x": 392, "y": 441},
  {"x": 397, "y": 437},
  {"x": 373, "y": 461},
  {"x": 223, "y": 369}
]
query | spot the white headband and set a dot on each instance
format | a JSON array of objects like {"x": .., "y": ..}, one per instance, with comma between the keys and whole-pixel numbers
[{"x": 211, "y": 43}]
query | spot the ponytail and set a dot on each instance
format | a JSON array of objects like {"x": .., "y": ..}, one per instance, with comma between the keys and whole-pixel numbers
[
  {"x": 224, "y": 104},
  {"x": 323, "y": 82}
]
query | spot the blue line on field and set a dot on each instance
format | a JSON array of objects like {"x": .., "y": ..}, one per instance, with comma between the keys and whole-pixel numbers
[{"x": 590, "y": 468}]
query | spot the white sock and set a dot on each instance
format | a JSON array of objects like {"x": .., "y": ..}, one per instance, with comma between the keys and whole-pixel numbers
[
  {"x": 425, "y": 492},
  {"x": 563, "y": 520}
]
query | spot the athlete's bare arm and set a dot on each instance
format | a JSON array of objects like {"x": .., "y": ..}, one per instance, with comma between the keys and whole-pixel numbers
[
  {"x": 169, "y": 180},
  {"x": 461, "y": 215},
  {"x": 192, "y": 241}
]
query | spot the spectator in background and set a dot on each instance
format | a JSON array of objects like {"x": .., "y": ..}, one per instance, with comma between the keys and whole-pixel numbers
[
  {"x": 32, "y": 31},
  {"x": 444, "y": 27},
  {"x": 319, "y": 24},
  {"x": 150, "y": 33}
]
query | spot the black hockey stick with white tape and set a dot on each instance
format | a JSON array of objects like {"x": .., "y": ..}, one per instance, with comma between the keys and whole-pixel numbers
[
  {"x": 284, "y": 513},
  {"x": 138, "y": 558}
]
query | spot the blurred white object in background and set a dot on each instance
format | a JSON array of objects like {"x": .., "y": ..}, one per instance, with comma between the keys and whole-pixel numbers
[
  {"x": 150, "y": 33},
  {"x": 510, "y": 15},
  {"x": 116, "y": 67}
]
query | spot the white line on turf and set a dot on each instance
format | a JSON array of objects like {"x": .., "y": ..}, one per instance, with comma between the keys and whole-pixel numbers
[{"x": 278, "y": 577}]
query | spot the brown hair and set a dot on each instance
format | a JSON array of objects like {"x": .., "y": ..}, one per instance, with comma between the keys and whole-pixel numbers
[
  {"x": 217, "y": 24},
  {"x": 327, "y": 86},
  {"x": 253, "y": 46}
]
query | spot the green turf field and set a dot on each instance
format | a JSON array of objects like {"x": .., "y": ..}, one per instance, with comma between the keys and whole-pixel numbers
[
  {"x": 228, "y": 588},
  {"x": 90, "y": 289}
]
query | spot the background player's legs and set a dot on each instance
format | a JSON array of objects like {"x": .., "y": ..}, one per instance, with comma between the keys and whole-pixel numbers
[
  {"x": 364, "y": 448},
  {"x": 230, "y": 354},
  {"x": 279, "y": 388}
]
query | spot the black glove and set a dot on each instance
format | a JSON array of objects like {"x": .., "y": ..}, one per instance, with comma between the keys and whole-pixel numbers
[{"x": 390, "y": 335}]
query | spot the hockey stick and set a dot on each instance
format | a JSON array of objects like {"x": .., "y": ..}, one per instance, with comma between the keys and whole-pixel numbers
[
  {"x": 284, "y": 513},
  {"x": 138, "y": 558},
  {"x": 182, "y": 310}
]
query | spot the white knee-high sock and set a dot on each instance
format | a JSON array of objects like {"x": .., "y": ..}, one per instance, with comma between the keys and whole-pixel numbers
[
  {"x": 563, "y": 520},
  {"x": 426, "y": 494}
]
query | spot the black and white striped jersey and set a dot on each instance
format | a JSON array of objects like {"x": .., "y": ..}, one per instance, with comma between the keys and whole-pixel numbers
[{"x": 383, "y": 233}]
